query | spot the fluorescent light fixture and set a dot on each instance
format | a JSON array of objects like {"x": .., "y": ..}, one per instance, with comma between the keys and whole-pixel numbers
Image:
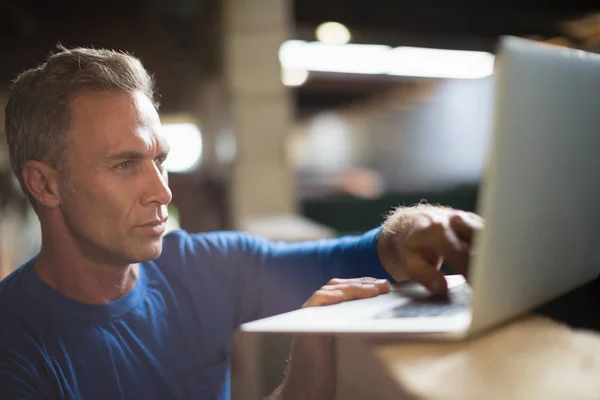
[
  {"x": 348, "y": 58},
  {"x": 293, "y": 77},
  {"x": 438, "y": 63},
  {"x": 185, "y": 140},
  {"x": 333, "y": 33},
  {"x": 379, "y": 59}
]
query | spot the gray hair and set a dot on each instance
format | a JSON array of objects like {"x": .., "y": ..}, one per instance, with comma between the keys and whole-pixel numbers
[{"x": 38, "y": 114}]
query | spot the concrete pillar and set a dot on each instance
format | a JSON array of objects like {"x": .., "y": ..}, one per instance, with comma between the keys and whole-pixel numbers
[
  {"x": 259, "y": 106},
  {"x": 4, "y": 162},
  {"x": 5, "y": 245}
]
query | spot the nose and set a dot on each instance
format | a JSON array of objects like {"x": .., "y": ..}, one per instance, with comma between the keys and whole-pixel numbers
[{"x": 157, "y": 189}]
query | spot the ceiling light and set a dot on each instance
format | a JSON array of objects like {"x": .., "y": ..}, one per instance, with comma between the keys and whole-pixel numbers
[
  {"x": 437, "y": 63},
  {"x": 380, "y": 59},
  {"x": 347, "y": 58},
  {"x": 333, "y": 33},
  {"x": 185, "y": 140}
]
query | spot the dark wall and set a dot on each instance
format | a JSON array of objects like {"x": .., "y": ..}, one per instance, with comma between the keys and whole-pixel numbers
[{"x": 347, "y": 214}]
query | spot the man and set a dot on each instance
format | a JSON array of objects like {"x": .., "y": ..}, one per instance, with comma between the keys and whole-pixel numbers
[{"x": 111, "y": 309}]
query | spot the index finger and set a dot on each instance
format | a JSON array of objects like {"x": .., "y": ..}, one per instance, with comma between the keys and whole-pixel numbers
[
  {"x": 465, "y": 226},
  {"x": 441, "y": 239},
  {"x": 454, "y": 251}
]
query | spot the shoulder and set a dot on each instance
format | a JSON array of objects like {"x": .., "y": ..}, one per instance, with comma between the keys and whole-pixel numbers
[
  {"x": 12, "y": 290},
  {"x": 21, "y": 354},
  {"x": 17, "y": 310}
]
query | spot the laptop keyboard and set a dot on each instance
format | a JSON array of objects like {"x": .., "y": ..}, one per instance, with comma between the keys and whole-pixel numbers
[{"x": 457, "y": 300}]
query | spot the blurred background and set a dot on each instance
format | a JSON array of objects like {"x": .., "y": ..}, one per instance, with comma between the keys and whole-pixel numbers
[{"x": 296, "y": 119}]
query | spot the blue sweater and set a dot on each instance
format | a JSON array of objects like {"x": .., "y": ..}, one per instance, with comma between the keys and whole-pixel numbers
[{"x": 169, "y": 337}]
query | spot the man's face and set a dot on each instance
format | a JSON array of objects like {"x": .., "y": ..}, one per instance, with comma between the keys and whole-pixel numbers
[{"x": 115, "y": 200}]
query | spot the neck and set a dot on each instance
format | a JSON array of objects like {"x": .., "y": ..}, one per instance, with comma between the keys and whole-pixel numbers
[{"x": 64, "y": 266}]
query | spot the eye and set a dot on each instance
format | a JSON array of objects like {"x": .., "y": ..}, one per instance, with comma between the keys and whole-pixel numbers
[
  {"x": 161, "y": 159},
  {"x": 125, "y": 165}
]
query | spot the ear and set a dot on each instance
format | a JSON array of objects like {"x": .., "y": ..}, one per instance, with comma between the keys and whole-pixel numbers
[{"x": 42, "y": 182}]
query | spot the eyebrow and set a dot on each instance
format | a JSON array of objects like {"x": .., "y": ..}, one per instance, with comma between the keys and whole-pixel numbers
[
  {"x": 130, "y": 155},
  {"x": 134, "y": 155}
]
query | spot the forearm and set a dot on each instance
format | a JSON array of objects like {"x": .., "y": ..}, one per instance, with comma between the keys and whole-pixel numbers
[
  {"x": 289, "y": 273},
  {"x": 305, "y": 378}
]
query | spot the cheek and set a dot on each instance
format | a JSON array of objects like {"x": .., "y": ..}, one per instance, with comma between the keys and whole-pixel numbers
[{"x": 101, "y": 205}]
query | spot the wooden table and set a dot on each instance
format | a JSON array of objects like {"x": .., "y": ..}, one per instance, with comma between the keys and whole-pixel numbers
[{"x": 531, "y": 358}]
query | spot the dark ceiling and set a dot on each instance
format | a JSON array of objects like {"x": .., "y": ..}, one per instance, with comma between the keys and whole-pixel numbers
[
  {"x": 176, "y": 39},
  {"x": 454, "y": 24},
  {"x": 483, "y": 20}
]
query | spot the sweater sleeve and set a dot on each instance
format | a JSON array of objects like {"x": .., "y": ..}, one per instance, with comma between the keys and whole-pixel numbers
[{"x": 281, "y": 276}]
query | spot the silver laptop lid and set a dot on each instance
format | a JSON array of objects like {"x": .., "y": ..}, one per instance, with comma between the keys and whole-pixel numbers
[{"x": 541, "y": 192}]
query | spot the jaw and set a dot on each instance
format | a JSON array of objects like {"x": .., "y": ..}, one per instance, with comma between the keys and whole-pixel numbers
[{"x": 146, "y": 249}]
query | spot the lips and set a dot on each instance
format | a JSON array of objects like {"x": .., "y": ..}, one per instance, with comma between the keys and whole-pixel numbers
[
  {"x": 153, "y": 228},
  {"x": 154, "y": 222}
]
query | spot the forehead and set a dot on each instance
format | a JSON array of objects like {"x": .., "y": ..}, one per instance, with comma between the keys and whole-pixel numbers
[{"x": 105, "y": 121}]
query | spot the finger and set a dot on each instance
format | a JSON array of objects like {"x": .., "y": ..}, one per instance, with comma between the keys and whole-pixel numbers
[
  {"x": 454, "y": 251},
  {"x": 465, "y": 226},
  {"x": 426, "y": 273},
  {"x": 351, "y": 289},
  {"x": 323, "y": 297},
  {"x": 475, "y": 218},
  {"x": 357, "y": 290},
  {"x": 383, "y": 285},
  {"x": 435, "y": 241},
  {"x": 364, "y": 279},
  {"x": 337, "y": 281}
]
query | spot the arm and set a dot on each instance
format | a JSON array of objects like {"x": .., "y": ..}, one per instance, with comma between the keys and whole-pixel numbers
[
  {"x": 311, "y": 368},
  {"x": 305, "y": 378},
  {"x": 279, "y": 277},
  {"x": 412, "y": 244}
]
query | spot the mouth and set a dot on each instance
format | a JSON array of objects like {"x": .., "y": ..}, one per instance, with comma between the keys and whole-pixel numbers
[
  {"x": 153, "y": 228},
  {"x": 155, "y": 222}
]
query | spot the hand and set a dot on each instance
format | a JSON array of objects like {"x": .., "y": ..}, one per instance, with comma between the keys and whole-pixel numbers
[
  {"x": 340, "y": 290},
  {"x": 311, "y": 372},
  {"x": 416, "y": 240}
]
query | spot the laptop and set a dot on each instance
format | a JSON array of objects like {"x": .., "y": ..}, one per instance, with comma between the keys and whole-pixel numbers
[{"x": 540, "y": 196}]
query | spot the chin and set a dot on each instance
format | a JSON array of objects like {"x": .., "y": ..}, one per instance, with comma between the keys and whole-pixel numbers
[
  {"x": 154, "y": 252},
  {"x": 147, "y": 252}
]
